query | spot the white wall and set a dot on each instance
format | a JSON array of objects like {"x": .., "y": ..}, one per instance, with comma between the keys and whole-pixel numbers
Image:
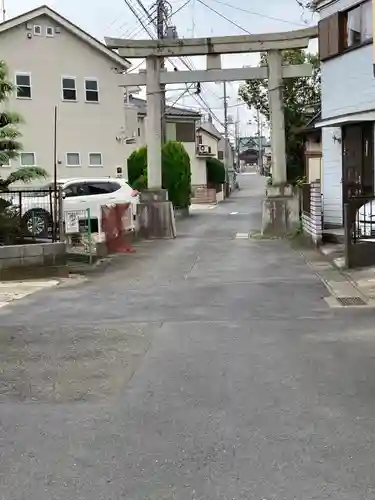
[
  {"x": 348, "y": 83},
  {"x": 197, "y": 165},
  {"x": 210, "y": 141},
  {"x": 82, "y": 127},
  {"x": 348, "y": 86},
  {"x": 331, "y": 177}
]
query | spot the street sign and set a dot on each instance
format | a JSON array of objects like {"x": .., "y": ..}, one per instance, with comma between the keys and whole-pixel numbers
[{"x": 71, "y": 222}]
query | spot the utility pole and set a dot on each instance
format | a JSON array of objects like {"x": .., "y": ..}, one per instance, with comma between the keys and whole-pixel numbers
[
  {"x": 160, "y": 26},
  {"x": 226, "y": 139},
  {"x": 259, "y": 133},
  {"x": 3, "y": 11},
  {"x": 237, "y": 138}
]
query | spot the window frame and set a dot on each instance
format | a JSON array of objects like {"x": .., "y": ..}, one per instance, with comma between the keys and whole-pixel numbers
[
  {"x": 35, "y": 32},
  {"x": 344, "y": 21},
  {"x": 95, "y": 153},
  {"x": 23, "y": 73},
  {"x": 91, "y": 79},
  {"x": 66, "y": 77},
  {"x": 79, "y": 164},
  {"x": 7, "y": 165},
  {"x": 50, "y": 35},
  {"x": 28, "y": 153}
]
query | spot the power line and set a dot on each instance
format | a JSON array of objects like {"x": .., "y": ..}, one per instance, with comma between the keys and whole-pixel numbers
[
  {"x": 180, "y": 8},
  {"x": 258, "y": 13},
  {"x": 224, "y": 17}
]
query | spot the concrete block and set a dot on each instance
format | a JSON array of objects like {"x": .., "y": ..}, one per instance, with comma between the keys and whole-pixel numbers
[
  {"x": 11, "y": 262},
  {"x": 280, "y": 215},
  {"x": 10, "y": 251},
  {"x": 57, "y": 248},
  {"x": 31, "y": 250},
  {"x": 34, "y": 260}
]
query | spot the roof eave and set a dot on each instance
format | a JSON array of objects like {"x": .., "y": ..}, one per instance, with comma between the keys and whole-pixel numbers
[{"x": 76, "y": 30}]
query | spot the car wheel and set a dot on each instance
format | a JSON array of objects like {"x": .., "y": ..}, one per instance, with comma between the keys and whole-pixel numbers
[{"x": 37, "y": 223}]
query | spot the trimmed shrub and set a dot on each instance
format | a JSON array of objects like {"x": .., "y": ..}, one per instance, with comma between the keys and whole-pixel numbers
[
  {"x": 137, "y": 166},
  {"x": 176, "y": 174},
  {"x": 215, "y": 172}
]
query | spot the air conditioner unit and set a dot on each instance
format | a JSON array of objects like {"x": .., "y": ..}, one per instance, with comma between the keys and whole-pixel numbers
[{"x": 203, "y": 149}]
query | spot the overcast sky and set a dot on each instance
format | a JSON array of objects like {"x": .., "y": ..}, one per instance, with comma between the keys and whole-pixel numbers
[{"x": 113, "y": 18}]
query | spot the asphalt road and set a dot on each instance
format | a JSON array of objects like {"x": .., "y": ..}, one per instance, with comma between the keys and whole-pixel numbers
[{"x": 209, "y": 367}]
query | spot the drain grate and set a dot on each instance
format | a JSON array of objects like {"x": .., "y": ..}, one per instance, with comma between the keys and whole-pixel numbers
[{"x": 351, "y": 301}]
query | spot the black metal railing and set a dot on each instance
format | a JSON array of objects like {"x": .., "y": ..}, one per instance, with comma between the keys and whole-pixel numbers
[
  {"x": 29, "y": 214},
  {"x": 306, "y": 198},
  {"x": 359, "y": 225}
]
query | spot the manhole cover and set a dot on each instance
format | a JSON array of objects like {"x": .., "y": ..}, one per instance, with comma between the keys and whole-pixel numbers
[{"x": 351, "y": 301}]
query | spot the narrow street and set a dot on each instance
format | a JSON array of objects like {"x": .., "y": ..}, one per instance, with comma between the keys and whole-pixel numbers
[{"x": 209, "y": 367}]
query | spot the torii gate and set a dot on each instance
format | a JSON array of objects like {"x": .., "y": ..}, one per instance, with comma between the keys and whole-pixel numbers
[
  {"x": 212, "y": 48},
  {"x": 273, "y": 43}
]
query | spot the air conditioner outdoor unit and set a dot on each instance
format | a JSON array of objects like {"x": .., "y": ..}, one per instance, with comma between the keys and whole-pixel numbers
[{"x": 203, "y": 149}]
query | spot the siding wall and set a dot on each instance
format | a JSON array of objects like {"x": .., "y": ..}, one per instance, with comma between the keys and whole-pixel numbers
[
  {"x": 348, "y": 86},
  {"x": 82, "y": 127}
]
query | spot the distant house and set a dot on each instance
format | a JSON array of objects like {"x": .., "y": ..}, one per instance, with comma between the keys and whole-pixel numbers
[
  {"x": 313, "y": 149},
  {"x": 54, "y": 63},
  {"x": 181, "y": 125},
  {"x": 348, "y": 103}
]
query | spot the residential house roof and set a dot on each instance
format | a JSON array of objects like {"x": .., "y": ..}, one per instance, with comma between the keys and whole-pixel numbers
[
  {"x": 44, "y": 10},
  {"x": 210, "y": 129},
  {"x": 171, "y": 111},
  {"x": 310, "y": 128}
]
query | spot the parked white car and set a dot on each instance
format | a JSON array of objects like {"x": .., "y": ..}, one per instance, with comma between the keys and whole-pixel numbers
[{"x": 79, "y": 194}]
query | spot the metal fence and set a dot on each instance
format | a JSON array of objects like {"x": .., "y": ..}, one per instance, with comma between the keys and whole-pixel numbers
[
  {"x": 306, "y": 198},
  {"x": 30, "y": 214},
  {"x": 359, "y": 225}
]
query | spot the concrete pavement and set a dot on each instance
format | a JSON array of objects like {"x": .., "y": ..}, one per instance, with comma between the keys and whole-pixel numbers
[{"x": 209, "y": 368}]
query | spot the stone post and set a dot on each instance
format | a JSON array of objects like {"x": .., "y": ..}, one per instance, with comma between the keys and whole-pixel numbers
[
  {"x": 275, "y": 95},
  {"x": 153, "y": 123}
]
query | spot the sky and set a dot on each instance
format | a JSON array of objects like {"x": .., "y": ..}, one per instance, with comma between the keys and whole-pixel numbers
[{"x": 113, "y": 18}]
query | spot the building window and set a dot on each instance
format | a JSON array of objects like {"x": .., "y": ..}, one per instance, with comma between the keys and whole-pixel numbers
[
  {"x": 344, "y": 30},
  {"x": 27, "y": 159},
  {"x": 139, "y": 132},
  {"x": 185, "y": 132},
  {"x": 49, "y": 31},
  {"x": 91, "y": 90},
  {"x": 4, "y": 161},
  {"x": 220, "y": 155},
  {"x": 358, "y": 25},
  {"x": 23, "y": 84},
  {"x": 69, "y": 91},
  {"x": 95, "y": 160},
  {"x": 37, "y": 30},
  {"x": 73, "y": 160}
]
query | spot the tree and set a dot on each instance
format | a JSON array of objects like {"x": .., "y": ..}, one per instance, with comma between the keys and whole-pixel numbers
[
  {"x": 137, "y": 165},
  {"x": 299, "y": 95},
  {"x": 10, "y": 148},
  {"x": 10, "y": 134},
  {"x": 9, "y": 121},
  {"x": 176, "y": 175}
]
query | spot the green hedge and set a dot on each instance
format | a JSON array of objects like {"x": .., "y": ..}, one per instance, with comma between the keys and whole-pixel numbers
[
  {"x": 215, "y": 172},
  {"x": 176, "y": 174}
]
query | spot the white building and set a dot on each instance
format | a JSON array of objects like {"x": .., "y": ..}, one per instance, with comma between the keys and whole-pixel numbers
[
  {"x": 54, "y": 63},
  {"x": 348, "y": 103},
  {"x": 200, "y": 141}
]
